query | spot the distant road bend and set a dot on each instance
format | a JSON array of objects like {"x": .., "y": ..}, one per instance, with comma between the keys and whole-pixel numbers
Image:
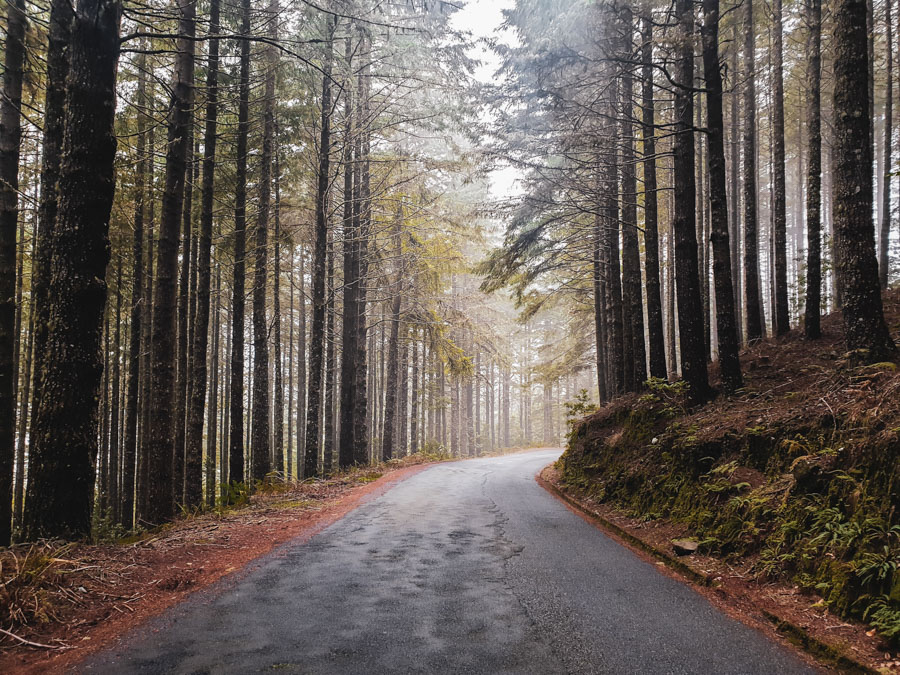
[{"x": 466, "y": 567}]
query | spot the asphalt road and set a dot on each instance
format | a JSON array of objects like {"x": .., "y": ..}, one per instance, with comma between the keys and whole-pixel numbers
[{"x": 469, "y": 567}]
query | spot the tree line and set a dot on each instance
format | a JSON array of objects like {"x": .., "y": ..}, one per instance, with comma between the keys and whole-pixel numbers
[
  {"x": 699, "y": 175},
  {"x": 236, "y": 243}
]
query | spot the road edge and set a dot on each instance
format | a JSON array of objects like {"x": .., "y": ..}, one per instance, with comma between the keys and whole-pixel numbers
[
  {"x": 108, "y": 634},
  {"x": 825, "y": 654}
]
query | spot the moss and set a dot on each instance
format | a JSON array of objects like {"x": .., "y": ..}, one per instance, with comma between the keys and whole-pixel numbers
[{"x": 819, "y": 512}]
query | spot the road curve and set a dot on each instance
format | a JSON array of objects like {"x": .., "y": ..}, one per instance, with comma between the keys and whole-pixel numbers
[{"x": 466, "y": 567}]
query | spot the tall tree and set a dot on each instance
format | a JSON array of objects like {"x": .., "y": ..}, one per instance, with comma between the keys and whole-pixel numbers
[
  {"x": 10, "y": 142},
  {"x": 651, "y": 212},
  {"x": 729, "y": 363},
  {"x": 66, "y": 427},
  {"x": 129, "y": 439},
  {"x": 885, "y": 235},
  {"x": 259, "y": 446},
  {"x": 160, "y": 434},
  {"x": 632, "y": 294},
  {"x": 812, "y": 324},
  {"x": 238, "y": 303},
  {"x": 194, "y": 430},
  {"x": 781, "y": 314},
  {"x": 865, "y": 330},
  {"x": 752, "y": 303},
  {"x": 684, "y": 226},
  {"x": 320, "y": 252}
]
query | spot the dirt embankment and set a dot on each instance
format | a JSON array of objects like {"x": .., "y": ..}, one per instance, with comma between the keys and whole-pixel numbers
[{"x": 793, "y": 483}]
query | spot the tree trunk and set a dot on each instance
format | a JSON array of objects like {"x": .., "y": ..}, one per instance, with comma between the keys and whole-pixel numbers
[
  {"x": 320, "y": 250},
  {"x": 751, "y": 243},
  {"x": 199, "y": 375},
  {"x": 390, "y": 405},
  {"x": 161, "y": 432},
  {"x": 59, "y": 36},
  {"x": 212, "y": 440},
  {"x": 782, "y": 322},
  {"x": 182, "y": 362},
  {"x": 864, "y": 326},
  {"x": 361, "y": 394},
  {"x": 690, "y": 308},
  {"x": 812, "y": 324},
  {"x": 10, "y": 140},
  {"x": 729, "y": 363},
  {"x": 651, "y": 212},
  {"x": 65, "y": 432},
  {"x": 113, "y": 482},
  {"x": 884, "y": 239},
  {"x": 261, "y": 461},
  {"x": 328, "y": 443},
  {"x": 735, "y": 192},
  {"x": 236, "y": 415},
  {"x": 633, "y": 296}
]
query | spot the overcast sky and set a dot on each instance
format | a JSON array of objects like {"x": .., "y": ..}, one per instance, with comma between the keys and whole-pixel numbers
[{"x": 483, "y": 19}]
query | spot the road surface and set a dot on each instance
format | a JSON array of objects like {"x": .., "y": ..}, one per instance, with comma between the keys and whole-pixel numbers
[{"x": 468, "y": 567}]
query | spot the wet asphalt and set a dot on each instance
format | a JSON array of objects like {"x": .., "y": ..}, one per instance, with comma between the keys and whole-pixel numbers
[{"x": 467, "y": 567}]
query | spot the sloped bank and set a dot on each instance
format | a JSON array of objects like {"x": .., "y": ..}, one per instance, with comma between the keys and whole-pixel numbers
[{"x": 797, "y": 477}]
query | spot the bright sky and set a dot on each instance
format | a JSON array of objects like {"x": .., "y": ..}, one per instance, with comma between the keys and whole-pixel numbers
[{"x": 483, "y": 19}]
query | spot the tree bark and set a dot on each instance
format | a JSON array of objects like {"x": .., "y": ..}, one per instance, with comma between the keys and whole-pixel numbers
[
  {"x": 651, "y": 212},
  {"x": 261, "y": 461},
  {"x": 751, "y": 243},
  {"x": 885, "y": 235},
  {"x": 320, "y": 250},
  {"x": 812, "y": 324},
  {"x": 238, "y": 304},
  {"x": 865, "y": 330},
  {"x": 633, "y": 296},
  {"x": 729, "y": 363},
  {"x": 194, "y": 431},
  {"x": 10, "y": 142},
  {"x": 684, "y": 226},
  {"x": 65, "y": 433},
  {"x": 160, "y": 435},
  {"x": 58, "y": 38},
  {"x": 782, "y": 322}
]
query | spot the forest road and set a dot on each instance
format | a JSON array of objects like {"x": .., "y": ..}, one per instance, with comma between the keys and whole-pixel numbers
[{"x": 466, "y": 567}]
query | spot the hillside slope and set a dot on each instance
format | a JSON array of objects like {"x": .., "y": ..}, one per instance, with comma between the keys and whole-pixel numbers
[{"x": 799, "y": 473}]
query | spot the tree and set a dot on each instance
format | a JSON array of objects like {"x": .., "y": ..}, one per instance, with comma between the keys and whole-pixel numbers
[
  {"x": 729, "y": 363},
  {"x": 885, "y": 235},
  {"x": 161, "y": 437},
  {"x": 690, "y": 310},
  {"x": 194, "y": 430},
  {"x": 812, "y": 325},
  {"x": 320, "y": 252},
  {"x": 10, "y": 140},
  {"x": 755, "y": 323},
  {"x": 66, "y": 426},
  {"x": 238, "y": 302},
  {"x": 865, "y": 330},
  {"x": 651, "y": 213},
  {"x": 780, "y": 316},
  {"x": 259, "y": 444}
]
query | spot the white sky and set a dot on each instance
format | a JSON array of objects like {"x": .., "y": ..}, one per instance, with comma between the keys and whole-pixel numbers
[{"x": 483, "y": 19}]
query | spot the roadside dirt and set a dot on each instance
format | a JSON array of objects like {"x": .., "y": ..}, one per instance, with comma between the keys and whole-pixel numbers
[
  {"x": 734, "y": 588},
  {"x": 73, "y": 600}
]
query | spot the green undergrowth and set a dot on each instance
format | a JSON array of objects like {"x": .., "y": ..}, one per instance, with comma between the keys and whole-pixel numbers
[{"x": 811, "y": 503}]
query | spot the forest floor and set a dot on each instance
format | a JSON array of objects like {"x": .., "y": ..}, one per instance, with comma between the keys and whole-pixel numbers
[{"x": 65, "y": 601}]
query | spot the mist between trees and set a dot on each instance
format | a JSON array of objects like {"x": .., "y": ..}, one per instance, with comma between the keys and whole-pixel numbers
[{"x": 255, "y": 241}]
